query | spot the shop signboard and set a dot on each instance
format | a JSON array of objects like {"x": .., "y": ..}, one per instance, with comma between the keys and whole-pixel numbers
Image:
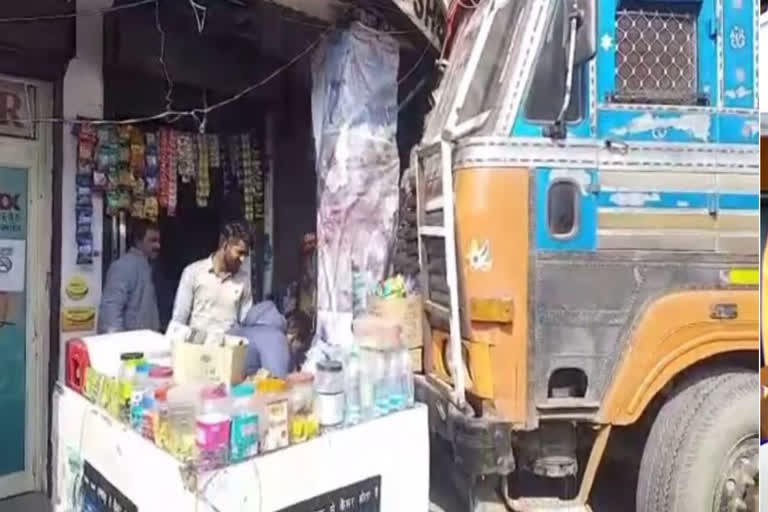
[
  {"x": 17, "y": 109},
  {"x": 364, "y": 496}
]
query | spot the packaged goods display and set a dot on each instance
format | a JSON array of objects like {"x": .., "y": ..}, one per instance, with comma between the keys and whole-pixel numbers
[{"x": 220, "y": 419}]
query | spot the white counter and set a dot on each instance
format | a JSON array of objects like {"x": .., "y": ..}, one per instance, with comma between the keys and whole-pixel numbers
[{"x": 394, "y": 449}]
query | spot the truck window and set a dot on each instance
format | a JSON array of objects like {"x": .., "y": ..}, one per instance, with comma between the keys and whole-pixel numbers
[
  {"x": 484, "y": 91},
  {"x": 563, "y": 208},
  {"x": 657, "y": 53},
  {"x": 547, "y": 87}
]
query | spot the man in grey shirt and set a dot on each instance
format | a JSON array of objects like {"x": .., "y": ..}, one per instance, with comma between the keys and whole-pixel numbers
[{"x": 129, "y": 301}]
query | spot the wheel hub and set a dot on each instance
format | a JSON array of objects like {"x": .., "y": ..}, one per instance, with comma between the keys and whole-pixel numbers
[{"x": 737, "y": 489}]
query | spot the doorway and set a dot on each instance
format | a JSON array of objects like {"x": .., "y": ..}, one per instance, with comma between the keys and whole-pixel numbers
[{"x": 26, "y": 151}]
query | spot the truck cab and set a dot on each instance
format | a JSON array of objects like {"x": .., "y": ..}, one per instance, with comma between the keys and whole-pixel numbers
[{"x": 587, "y": 223}]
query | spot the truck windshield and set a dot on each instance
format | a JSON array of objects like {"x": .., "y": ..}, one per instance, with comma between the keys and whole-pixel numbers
[
  {"x": 547, "y": 88},
  {"x": 484, "y": 92}
]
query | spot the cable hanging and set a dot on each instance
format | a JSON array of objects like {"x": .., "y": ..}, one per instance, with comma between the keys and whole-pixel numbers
[{"x": 71, "y": 15}]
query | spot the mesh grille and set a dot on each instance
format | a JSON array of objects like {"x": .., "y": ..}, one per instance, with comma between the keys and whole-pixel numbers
[{"x": 656, "y": 57}]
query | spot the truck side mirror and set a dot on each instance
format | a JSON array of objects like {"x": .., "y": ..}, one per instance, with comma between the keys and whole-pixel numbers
[
  {"x": 585, "y": 12},
  {"x": 580, "y": 45}
]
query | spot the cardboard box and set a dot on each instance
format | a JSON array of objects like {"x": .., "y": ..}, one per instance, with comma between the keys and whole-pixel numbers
[
  {"x": 211, "y": 363},
  {"x": 214, "y": 358},
  {"x": 407, "y": 313}
]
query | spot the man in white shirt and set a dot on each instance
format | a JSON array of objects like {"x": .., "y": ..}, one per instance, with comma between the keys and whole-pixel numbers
[{"x": 214, "y": 293}]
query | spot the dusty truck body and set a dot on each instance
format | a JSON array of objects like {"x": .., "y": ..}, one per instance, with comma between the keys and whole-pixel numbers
[{"x": 592, "y": 171}]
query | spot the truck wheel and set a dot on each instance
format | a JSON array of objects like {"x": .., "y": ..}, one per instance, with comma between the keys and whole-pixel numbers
[{"x": 703, "y": 449}]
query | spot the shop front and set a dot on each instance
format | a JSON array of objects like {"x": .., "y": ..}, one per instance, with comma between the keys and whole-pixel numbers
[
  {"x": 299, "y": 127},
  {"x": 26, "y": 155}
]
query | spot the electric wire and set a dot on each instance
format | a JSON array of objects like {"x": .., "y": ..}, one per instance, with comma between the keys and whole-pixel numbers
[
  {"x": 168, "y": 81},
  {"x": 71, "y": 15}
]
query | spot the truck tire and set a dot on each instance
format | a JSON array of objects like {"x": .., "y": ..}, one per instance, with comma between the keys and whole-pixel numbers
[{"x": 703, "y": 449}]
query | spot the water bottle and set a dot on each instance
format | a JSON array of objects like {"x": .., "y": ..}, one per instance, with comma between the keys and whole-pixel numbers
[
  {"x": 382, "y": 382},
  {"x": 352, "y": 406},
  {"x": 406, "y": 374},
  {"x": 395, "y": 381}
]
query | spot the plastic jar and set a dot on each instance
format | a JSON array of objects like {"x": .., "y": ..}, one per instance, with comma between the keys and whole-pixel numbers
[
  {"x": 182, "y": 405},
  {"x": 302, "y": 392},
  {"x": 329, "y": 379},
  {"x": 160, "y": 376},
  {"x": 329, "y": 383},
  {"x": 244, "y": 436},
  {"x": 303, "y": 423},
  {"x": 213, "y": 429}
]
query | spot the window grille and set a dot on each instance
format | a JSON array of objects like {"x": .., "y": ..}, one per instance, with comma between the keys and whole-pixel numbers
[{"x": 656, "y": 57}]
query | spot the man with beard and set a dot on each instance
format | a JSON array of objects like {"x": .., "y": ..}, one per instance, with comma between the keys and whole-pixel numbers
[
  {"x": 214, "y": 295},
  {"x": 129, "y": 301}
]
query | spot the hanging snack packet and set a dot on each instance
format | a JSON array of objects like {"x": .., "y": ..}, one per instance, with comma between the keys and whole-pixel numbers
[
  {"x": 203, "y": 185},
  {"x": 113, "y": 202},
  {"x": 84, "y": 175},
  {"x": 85, "y": 249},
  {"x": 125, "y": 176},
  {"x": 124, "y": 203},
  {"x": 138, "y": 188},
  {"x": 137, "y": 209},
  {"x": 137, "y": 152},
  {"x": 83, "y": 196},
  {"x": 84, "y": 216},
  {"x": 151, "y": 208},
  {"x": 164, "y": 163},
  {"x": 172, "y": 176}
]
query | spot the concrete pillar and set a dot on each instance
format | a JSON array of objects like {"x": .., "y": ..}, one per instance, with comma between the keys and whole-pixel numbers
[{"x": 83, "y": 95}]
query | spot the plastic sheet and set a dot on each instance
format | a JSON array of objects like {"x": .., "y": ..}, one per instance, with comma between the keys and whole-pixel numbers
[{"x": 354, "y": 111}]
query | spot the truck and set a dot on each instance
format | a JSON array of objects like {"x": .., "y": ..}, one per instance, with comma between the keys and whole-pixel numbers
[{"x": 584, "y": 227}]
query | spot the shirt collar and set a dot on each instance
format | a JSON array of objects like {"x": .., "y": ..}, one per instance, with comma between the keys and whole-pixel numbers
[
  {"x": 211, "y": 270},
  {"x": 138, "y": 252}
]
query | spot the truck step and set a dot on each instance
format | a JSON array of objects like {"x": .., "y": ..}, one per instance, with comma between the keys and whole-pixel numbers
[
  {"x": 548, "y": 505},
  {"x": 567, "y": 408}
]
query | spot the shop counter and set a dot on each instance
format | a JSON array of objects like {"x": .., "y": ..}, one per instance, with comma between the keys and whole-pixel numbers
[{"x": 378, "y": 466}]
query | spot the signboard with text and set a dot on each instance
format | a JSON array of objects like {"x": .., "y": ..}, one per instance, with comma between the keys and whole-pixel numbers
[
  {"x": 99, "y": 495},
  {"x": 17, "y": 109},
  {"x": 362, "y": 496}
]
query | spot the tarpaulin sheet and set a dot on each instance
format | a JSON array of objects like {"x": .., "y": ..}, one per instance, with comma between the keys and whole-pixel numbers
[{"x": 354, "y": 115}]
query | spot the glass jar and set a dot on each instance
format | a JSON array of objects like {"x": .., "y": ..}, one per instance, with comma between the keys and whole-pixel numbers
[{"x": 330, "y": 378}]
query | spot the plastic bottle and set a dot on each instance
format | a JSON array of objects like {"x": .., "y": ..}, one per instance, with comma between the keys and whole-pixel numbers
[
  {"x": 352, "y": 406},
  {"x": 140, "y": 389},
  {"x": 148, "y": 418},
  {"x": 213, "y": 428},
  {"x": 244, "y": 436},
  {"x": 367, "y": 384},
  {"x": 395, "y": 381},
  {"x": 406, "y": 376},
  {"x": 382, "y": 383},
  {"x": 160, "y": 424}
]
